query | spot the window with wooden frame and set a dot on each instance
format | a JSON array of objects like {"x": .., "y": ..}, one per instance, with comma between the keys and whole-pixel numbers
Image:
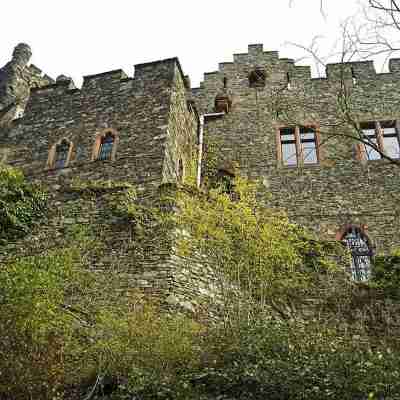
[
  {"x": 105, "y": 146},
  {"x": 298, "y": 145},
  {"x": 379, "y": 137},
  {"x": 60, "y": 154}
]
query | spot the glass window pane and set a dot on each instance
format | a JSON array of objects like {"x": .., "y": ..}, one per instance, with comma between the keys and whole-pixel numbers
[
  {"x": 371, "y": 153},
  {"x": 369, "y": 135},
  {"x": 289, "y": 156},
  {"x": 389, "y": 131},
  {"x": 309, "y": 145},
  {"x": 287, "y": 134},
  {"x": 307, "y": 133},
  {"x": 391, "y": 146},
  {"x": 361, "y": 254},
  {"x": 106, "y": 147},
  {"x": 310, "y": 153},
  {"x": 61, "y": 156}
]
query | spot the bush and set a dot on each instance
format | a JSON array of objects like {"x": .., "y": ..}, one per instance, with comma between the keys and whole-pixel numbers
[{"x": 21, "y": 204}]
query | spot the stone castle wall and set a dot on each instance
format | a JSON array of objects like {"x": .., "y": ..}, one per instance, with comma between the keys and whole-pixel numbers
[
  {"x": 340, "y": 189},
  {"x": 156, "y": 129},
  {"x": 138, "y": 110}
]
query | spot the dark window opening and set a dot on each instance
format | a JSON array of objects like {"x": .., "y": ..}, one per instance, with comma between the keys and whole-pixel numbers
[
  {"x": 106, "y": 146},
  {"x": 61, "y": 154},
  {"x": 288, "y": 82},
  {"x": 225, "y": 180},
  {"x": 361, "y": 253},
  {"x": 225, "y": 82},
  {"x": 180, "y": 170},
  {"x": 257, "y": 78},
  {"x": 353, "y": 76}
]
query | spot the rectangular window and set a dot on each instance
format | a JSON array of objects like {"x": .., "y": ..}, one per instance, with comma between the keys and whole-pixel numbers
[
  {"x": 288, "y": 145},
  {"x": 380, "y": 137},
  {"x": 369, "y": 133},
  {"x": 390, "y": 139},
  {"x": 308, "y": 145},
  {"x": 298, "y": 145}
]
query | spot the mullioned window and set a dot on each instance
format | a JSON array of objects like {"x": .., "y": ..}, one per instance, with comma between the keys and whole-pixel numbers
[{"x": 298, "y": 145}]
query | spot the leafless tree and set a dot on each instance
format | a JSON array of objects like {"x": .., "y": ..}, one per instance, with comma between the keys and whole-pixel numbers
[{"x": 375, "y": 32}]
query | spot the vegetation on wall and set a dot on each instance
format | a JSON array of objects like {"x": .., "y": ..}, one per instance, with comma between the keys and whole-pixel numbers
[
  {"x": 292, "y": 325},
  {"x": 21, "y": 204}
]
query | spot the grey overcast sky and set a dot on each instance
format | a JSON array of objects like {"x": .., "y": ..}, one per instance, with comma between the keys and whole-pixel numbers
[{"x": 84, "y": 37}]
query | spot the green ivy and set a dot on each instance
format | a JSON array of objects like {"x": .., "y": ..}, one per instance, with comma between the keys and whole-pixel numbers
[{"x": 22, "y": 204}]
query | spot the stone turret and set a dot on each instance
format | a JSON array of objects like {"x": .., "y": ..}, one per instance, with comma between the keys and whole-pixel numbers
[{"x": 17, "y": 77}]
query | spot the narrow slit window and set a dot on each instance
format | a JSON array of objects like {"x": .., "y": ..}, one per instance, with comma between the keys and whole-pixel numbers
[
  {"x": 390, "y": 139},
  {"x": 106, "y": 147},
  {"x": 308, "y": 143},
  {"x": 288, "y": 83},
  {"x": 61, "y": 154},
  {"x": 288, "y": 146}
]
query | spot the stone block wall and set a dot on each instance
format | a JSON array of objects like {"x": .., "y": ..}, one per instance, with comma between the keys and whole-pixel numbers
[
  {"x": 147, "y": 114},
  {"x": 339, "y": 190}
]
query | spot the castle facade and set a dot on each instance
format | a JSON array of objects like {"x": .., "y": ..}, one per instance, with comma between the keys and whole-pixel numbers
[{"x": 326, "y": 150}]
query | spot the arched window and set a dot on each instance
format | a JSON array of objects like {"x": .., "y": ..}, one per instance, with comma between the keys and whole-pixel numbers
[
  {"x": 61, "y": 154},
  {"x": 361, "y": 252},
  {"x": 106, "y": 146}
]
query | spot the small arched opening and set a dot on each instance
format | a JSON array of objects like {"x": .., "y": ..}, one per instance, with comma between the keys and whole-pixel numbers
[
  {"x": 60, "y": 154},
  {"x": 105, "y": 146}
]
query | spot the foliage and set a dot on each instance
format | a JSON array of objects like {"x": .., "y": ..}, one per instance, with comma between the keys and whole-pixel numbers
[
  {"x": 252, "y": 247},
  {"x": 65, "y": 328},
  {"x": 272, "y": 359},
  {"x": 387, "y": 275},
  {"x": 292, "y": 325},
  {"x": 21, "y": 204},
  {"x": 35, "y": 324}
]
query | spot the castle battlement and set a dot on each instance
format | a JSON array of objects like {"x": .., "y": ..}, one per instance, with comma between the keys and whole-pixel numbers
[
  {"x": 269, "y": 116},
  {"x": 280, "y": 70},
  {"x": 260, "y": 113}
]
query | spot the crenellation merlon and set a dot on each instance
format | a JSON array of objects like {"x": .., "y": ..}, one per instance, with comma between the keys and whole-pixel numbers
[
  {"x": 357, "y": 69},
  {"x": 256, "y": 48},
  {"x": 113, "y": 77},
  {"x": 301, "y": 72},
  {"x": 394, "y": 65},
  {"x": 59, "y": 87}
]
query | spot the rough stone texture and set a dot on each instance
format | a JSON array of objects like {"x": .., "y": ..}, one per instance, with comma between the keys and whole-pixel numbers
[
  {"x": 339, "y": 190},
  {"x": 148, "y": 113},
  {"x": 156, "y": 124},
  {"x": 16, "y": 80},
  {"x": 157, "y": 134}
]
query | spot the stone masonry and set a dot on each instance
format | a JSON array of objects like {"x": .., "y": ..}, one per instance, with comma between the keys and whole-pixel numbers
[
  {"x": 155, "y": 121},
  {"x": 340, "y": 189}
]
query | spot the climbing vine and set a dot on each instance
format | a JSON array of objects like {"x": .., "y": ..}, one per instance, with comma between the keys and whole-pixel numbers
[{"x": 22, "y": 204}]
